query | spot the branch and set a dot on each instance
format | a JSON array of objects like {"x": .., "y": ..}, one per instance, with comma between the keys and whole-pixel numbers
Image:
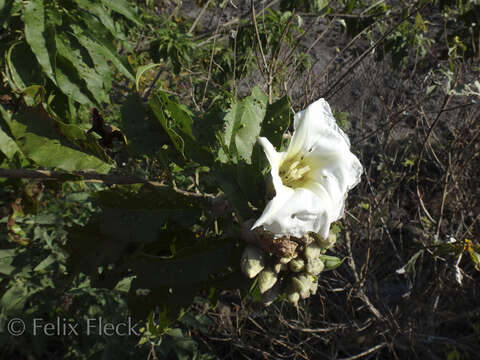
[{"x": 91, "y": 177}]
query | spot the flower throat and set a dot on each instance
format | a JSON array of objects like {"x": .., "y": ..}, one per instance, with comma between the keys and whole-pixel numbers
[{"x": 294, "y": 172}]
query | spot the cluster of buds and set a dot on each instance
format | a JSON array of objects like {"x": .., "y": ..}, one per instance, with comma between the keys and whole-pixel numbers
[{"x": 287, "y": 265}]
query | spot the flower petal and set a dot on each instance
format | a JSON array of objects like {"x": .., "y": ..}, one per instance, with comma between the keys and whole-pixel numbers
[
  {"x": 296, "y": 212},
  {"x": 323, "y": 148},
  {"x": 316, "y": 127},
  {"x": 274, "y": 158}
]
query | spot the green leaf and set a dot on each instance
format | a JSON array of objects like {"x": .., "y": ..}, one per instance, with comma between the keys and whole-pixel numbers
[
  {"x": 37, "y": 36},
  {"x": 104, "y": 45},
  {"x": 78, "y": 61},
  {"x": 124, "y": 284},
  {"x": 6, "y": 259},
  {"x": 49, "y": 260},
  {"x": 98, "y": 10},
  {"x": 34, "y": 95},
  {"x": 5, "y": 9},
  {"x": 173, "y": 283},
  {"x": 22, "y": 67},
  {"x": 141, "y": 70},
  {"x": 175, "y": 120},
  {"x": 69, "y": 81},
  {"x": 143, "y": 132},
  {"x": 13, "y": 300},
  {"x": 36, "y": 135},
  {"x": 122, "y": 7},
  {"x": 7, "y": 145},
  {"x": 100, "y": 71},
  {"x": 276, "y": 122},
  {"x": 242, "y": 127}
]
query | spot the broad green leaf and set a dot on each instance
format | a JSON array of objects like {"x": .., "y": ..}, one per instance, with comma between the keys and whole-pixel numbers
[
  {"x": 276, "y": 122},
  {"x": 104, "y": 45},
  {"x": 173, "y": 283},
  {"x": 242, "y": 127},
  {"x": 144, "y": 134},
  {"x": 192, "y": 266},
  {"x": 78, "y": 137},
  {"x": 123, "y": 7},
  {"x": 102, "y": 73},
  {"x": 97, "y": 9},
  {"x": 85, "y": 76},
  {"x": 69, "y": 81},
  {"x": 36, "y": 135},
  {"x": 7, "y": 145},
  {"x": 22, "y": 67},
  {"x": 36, "y": 35},
  {"x": 175, "y": 120}
]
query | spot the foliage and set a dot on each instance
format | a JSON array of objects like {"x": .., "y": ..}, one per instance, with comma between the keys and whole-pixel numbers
[{"x": 97, "y": 91}]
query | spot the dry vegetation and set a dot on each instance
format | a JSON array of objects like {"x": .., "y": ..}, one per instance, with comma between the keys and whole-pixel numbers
[{"x": 420, "y": 151}]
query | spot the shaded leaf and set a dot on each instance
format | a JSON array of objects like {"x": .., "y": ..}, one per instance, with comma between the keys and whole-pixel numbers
[
  {"x": 22, "y": 68},
  {"x": 37, "y": 36},
  {"x": 276, "y": 122},
  {"x": 36, "y": 135},
  {"x": 122, "y": 7},
  {"x": 175, "y": 120},
  {"x": 7, "y": 145}
]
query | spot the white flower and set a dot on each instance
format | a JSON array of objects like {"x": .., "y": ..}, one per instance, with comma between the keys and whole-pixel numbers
[{"x": 312, "y": 178}]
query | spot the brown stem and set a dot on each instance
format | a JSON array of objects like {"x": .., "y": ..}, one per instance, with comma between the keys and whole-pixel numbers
[{"x": 90, "y": 177}]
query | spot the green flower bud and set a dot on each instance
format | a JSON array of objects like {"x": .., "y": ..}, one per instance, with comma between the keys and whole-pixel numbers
[
  {"x": 315, "y": 266},
  {"x": 302, "y": 284},
  {"x": 279, "y": 267},
  {"x": 285, "y": 260},
  {"x": 266, "y": 279},
  {"x": 328, "y": 242},
  {"x": 314, "y": 288},
  {"x": 293, "y": 298},
  {"x": 253, "y": 261},
  {"x": 271, "y": 295},
  {"x": 312, "y": 251},
  {"x": 296, "y": 265}
]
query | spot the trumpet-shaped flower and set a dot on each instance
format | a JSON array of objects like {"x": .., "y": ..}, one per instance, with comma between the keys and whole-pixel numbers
[{"x": 312, "y": 178}]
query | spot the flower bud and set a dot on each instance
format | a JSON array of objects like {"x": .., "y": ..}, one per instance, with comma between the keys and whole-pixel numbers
[
  {"x": 296, "y": 265},
  {"x": 266, "y": 279},
  {"x": 328, "y": 242},
  {"x": 279, "y": 267},
  {"x": 293, "y": 298},
  {"x": 312, "y": 251},
  {"x": 271, "y": 295},
  {"x": 315, "y": 266},
  {"x": 302, "y": 284},
  {"x": 285, "y": 260},
  {"x": 314, "y": 288},
  {"x": 253, "y": 261}
]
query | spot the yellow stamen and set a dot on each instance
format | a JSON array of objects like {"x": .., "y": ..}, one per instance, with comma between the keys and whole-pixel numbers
[{"x": 294, "y": 172}]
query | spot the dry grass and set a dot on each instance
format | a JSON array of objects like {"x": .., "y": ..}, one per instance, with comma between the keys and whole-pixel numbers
[{"x": 420, "y": 187}]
